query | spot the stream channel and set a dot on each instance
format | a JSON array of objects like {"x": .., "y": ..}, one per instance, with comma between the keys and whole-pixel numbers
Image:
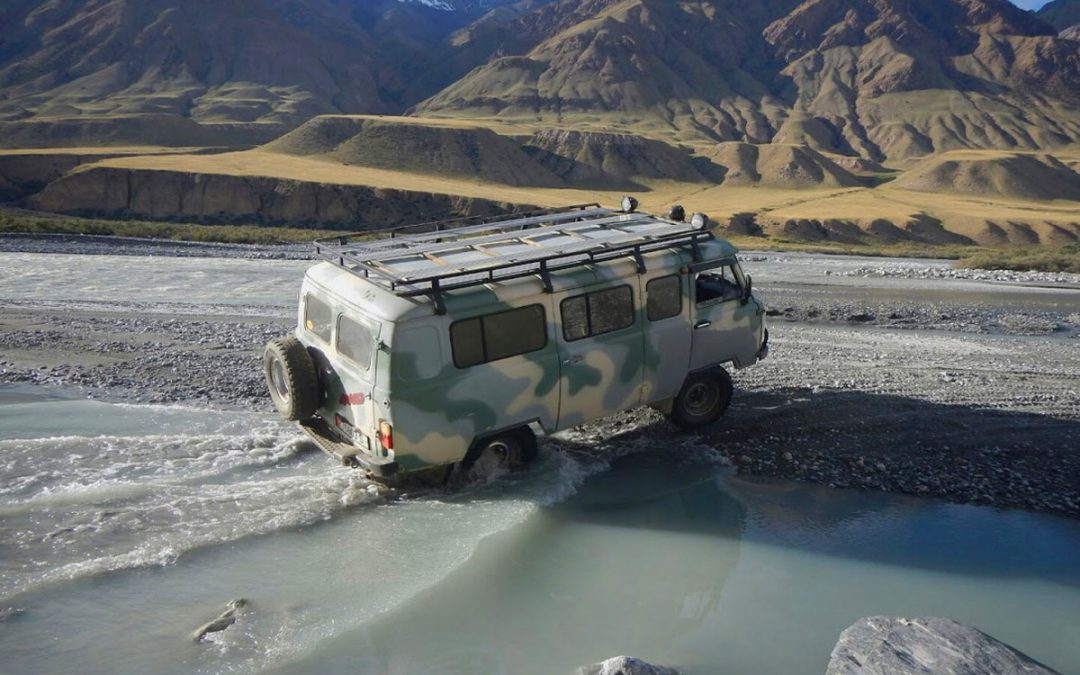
[{"x": 124, "y": 526}]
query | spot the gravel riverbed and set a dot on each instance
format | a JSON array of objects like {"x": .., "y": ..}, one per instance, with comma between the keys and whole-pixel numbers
[{"x": 966, "y": 394}]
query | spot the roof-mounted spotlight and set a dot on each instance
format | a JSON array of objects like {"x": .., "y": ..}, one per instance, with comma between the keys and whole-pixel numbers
[
  {"x": 700, "y": 221},
  {"x": 629, "y": 204},
  {"x": 677, "y": 213}
]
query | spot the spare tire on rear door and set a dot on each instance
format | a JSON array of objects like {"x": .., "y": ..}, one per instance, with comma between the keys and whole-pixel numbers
[{"x": 290, "y": 374}]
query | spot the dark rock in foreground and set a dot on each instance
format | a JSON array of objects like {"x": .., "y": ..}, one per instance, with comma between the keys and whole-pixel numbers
[
  {"x": 223, "y": 621},
  {"x": 884, "y": 645},
  {"x": 625, "y": 665}
]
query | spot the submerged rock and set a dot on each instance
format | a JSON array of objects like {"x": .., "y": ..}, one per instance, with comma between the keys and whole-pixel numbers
[
  {"x": 625, "y": 665},
  {"x": 223, "y": 621},
  {"x": 10, "y": 612},
  {"x": 885, "y": 645}
]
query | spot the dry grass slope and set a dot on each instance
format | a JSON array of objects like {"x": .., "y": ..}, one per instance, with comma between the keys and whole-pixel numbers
[
  {"x": 792, "y": 193},
  {"x": 615, "y": 161},
  {"x": 475, "y": 152},
  {"x": 121, "y": 130},
  {"x": 1013, "y": 175},
  {"x": 781, "y": 166}
]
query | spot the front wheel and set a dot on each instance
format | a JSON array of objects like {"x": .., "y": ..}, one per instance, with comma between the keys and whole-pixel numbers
[{"x": 703, "y": 399}]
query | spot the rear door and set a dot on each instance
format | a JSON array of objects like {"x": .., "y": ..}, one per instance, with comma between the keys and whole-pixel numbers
[
  {"x": 600, "y": 352},
  {"x": 349, "y": 387}
]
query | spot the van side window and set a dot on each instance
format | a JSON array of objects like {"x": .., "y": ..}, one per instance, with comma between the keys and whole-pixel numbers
[
  {"x": 355, "y": 341},
  {"x": 664, "y": 298},
  {"x": 318, "y": 319},
  {"x": 498, "y": 336},
  {"x": 718, "y": 285},
  {"x": 597, "y": 313}
]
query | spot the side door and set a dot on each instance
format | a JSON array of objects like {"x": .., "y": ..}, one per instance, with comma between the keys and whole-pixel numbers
[
  {"x": 600, "y": 352},
  {"x": 667, "y": 335},
  {"x": 723, "y": 321}
]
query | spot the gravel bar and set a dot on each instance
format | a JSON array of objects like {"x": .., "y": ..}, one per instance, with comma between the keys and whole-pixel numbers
[{"x": 969, "y": 395}]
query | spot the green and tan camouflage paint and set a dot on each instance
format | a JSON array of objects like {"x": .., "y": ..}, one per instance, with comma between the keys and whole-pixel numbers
[{"x": 437, "y": 409}]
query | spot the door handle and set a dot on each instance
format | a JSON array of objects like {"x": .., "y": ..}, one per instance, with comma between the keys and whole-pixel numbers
[
  {"x": 702, "y": 324},
  {"x": 572, "y": 360}
]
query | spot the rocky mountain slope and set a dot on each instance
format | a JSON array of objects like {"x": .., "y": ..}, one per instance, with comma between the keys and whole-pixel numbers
[
  {"x": 879, "y": 80},
  {"x": 267, "y": 61},
  {"x": 1061, "y": 14},
  {"x": 883, "y": 80}
]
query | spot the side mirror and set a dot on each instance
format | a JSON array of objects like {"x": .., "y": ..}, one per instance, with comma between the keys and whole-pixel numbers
[{"x": 748, "y": 290}]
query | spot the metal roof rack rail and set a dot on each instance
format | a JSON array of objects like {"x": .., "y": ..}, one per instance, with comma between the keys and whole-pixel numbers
[{"x": 464, "y": 252}]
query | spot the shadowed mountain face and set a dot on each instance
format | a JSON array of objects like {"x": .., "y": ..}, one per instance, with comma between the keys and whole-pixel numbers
[
  {"x": 266, "y": 61},
  {"x": 880, "y": 79},
  {"x": 1061, "y": 14}
]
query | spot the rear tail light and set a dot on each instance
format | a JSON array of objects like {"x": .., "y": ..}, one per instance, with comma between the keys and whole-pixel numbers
[{"x": 386, "y": 435}]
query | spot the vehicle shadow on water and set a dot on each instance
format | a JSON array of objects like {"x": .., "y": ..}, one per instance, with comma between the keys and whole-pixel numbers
[{"x": 897, "y": 463}]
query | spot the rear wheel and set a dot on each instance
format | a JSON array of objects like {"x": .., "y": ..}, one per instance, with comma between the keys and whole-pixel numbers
[
  {"x": 508, "y": 451},
  {"x": 704, "y": 398},
  {"x": 291, "y": 378}
]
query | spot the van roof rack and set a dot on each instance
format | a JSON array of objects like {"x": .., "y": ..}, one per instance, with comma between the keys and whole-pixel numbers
[{"x": 430, "y": 258}]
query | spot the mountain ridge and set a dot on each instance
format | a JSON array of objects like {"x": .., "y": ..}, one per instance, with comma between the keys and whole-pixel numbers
[{"x": 882, "y": 80}]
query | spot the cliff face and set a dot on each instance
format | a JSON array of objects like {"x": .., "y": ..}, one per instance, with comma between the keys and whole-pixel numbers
[
  {"x": 23, "y": 175},
  {"x": 213, "y": 198}
]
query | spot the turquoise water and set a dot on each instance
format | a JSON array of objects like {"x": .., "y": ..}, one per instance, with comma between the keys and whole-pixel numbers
[{"x": 124, "y": 527}]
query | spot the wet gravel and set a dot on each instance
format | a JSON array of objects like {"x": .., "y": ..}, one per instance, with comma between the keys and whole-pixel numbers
[
  {"x": 110, "y": 245},
  {"x": 791, "y": 305},
  {"x": 972, "y": 397},
  {"x": 147, "y": 358}
]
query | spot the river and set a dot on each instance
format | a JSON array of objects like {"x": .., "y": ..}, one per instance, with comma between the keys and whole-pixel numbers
[{"x": 125, "y": 526}]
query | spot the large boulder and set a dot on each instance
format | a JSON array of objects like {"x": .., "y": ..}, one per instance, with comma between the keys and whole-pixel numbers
[
  {"x": 885, "y": 645},
  {"x": 625, "y": 665}
]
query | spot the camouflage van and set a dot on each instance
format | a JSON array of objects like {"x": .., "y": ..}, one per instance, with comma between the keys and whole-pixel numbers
[{"x": 457, "y": 343}]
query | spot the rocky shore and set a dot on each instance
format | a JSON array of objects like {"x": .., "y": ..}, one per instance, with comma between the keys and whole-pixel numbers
[
  {"x": 79, "y": 244},
  {"x": 980, "y": 407},
  {"x": 142, "y": 356}
]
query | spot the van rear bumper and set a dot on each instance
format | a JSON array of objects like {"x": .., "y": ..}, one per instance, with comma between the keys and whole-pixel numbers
[{"x": 330, "y": 442}]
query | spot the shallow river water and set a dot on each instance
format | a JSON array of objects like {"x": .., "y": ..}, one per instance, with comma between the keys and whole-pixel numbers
[{"x": 124, "y": 527}]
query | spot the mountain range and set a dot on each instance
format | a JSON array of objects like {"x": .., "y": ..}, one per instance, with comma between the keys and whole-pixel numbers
[{"x": 885, "y": 80}]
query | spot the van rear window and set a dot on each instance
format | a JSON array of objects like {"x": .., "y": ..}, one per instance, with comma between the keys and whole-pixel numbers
[
  {"x": 355, "y": 341},
  {"x": 318, "y": 319},
  {"x": 498, "y": 336}
]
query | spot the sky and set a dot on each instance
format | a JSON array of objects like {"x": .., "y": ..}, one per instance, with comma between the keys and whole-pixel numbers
[{"x": 1030, "y": 4}]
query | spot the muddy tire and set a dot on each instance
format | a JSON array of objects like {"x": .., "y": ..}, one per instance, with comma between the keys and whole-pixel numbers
[
  {"x": 291, "y": 378},
  {"x": 508, "y": 451},
  {"x": 703, "y": 399}
]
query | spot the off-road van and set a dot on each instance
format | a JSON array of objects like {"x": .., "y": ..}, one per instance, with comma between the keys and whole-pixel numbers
[{"x": 456, "y": 343}]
